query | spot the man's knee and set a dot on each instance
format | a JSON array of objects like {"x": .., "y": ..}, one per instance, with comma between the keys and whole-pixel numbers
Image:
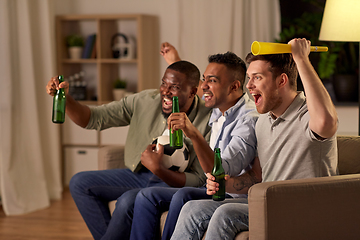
[
  {"x": 78, "y": 181},
  {"x": 184, "y": 194},
  {"x": 192, "y": 206},
  {"x": 127, "y": 200},
  {"x": 231, "y": 212},
  {"x": 222, "y": 211},
  {"x": 145, "y": 196}
]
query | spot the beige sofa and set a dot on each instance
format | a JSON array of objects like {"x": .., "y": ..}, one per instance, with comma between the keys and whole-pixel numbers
[{"x": 317, "y": 208}]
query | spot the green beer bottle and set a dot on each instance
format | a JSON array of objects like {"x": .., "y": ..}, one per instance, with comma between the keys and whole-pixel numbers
[
  {"x": 176, "y": 138},
  {"x": 219, "y": 174},
  {"x": 58, "y": 114}
]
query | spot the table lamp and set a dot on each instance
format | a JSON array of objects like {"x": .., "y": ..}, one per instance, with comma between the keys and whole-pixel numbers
[{"x": 341, "y": 22}]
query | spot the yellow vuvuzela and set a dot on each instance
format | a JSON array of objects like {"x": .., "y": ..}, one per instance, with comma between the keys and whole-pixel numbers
[{"x": 261, "y": 48}]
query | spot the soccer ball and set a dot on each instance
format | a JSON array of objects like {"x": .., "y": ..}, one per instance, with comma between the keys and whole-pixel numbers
[{"x": 173, "y": 159}]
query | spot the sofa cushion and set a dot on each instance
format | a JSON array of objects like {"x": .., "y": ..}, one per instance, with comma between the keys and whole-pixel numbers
[{"x": 348, "y": 153}]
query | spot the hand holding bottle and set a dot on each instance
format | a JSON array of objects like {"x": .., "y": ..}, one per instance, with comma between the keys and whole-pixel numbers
[
  {"x": 77, "y": 112},
  {"x": 181, "y": 121},
  {"x": 59, "y": 103},
  {"x": 211, "y": 186},
  {"x": 219, "y": 174},
  {"x": 53, "y": 85}
]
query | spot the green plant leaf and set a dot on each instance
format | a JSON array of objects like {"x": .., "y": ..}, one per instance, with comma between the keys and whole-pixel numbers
[
  {"x": 327, "y": 64},
  {"x": 74, "y": 41},
  {"x": 120, "y": 83}
]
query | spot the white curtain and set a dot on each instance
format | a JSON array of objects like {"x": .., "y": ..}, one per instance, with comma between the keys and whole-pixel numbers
[
  {"x": 212, "y": 26},
  {"x": 29, "y": 143},
  {"x": 30, "y": 169}
]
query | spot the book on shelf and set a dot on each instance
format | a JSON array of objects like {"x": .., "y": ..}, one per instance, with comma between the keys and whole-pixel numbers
[
  {"x": 93, "y": 53},
  {"x": 89, "y": 46}
]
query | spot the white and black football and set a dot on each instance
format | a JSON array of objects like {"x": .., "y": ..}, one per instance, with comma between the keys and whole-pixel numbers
[{"x": 174, "y": 159}]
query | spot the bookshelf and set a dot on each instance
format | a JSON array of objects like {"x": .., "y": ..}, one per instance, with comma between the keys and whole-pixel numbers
[
  {"x": 79, "y": 146},
  {"x": 141, "y": 72}
]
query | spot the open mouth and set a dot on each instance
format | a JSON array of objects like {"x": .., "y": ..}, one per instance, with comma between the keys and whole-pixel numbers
[
  {"x": 257, "y": 98},
  {"x": 167, "y": 103},
  {"x": 207, "y": 96}
]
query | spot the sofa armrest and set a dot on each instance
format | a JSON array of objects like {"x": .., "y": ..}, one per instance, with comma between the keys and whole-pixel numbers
[
  {"x": 316, "y": 208},
  {"x": 110, "y": 157}
]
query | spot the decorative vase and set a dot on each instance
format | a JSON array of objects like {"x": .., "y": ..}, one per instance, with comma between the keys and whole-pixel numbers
[
  {"x": 75, "y": 52},
  {"x": 118, "y": 93},
  {"x": 346, "y": 87}
]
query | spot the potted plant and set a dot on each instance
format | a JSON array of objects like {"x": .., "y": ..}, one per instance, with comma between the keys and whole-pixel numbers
[
  {"x": 119, "y": 88},
  {"x": 75, "y": 44},
  {"x": 341, "y": 59}
]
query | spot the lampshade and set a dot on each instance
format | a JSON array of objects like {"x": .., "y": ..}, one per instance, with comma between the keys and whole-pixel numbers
[{"x": 341, "y": 21}]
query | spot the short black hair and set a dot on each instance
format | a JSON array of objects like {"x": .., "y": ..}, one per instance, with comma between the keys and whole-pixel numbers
[
  {"x": 232, "y": 62},
  {"x": 279, "y": 63},
  {"x": 191, "y": 72}
]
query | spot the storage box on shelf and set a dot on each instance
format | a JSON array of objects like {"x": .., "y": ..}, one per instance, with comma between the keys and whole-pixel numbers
[{"x": 100, "y": 69}]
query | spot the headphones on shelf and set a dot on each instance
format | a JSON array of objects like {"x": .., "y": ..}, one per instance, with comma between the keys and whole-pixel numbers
[{"x": 120, "y": 45}]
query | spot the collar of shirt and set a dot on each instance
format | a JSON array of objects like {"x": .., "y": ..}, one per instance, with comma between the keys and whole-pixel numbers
[
  {"x": 290, "y": 112},
  {"x": 193, "y": 113},
  {"x": 217, "y": 113}
]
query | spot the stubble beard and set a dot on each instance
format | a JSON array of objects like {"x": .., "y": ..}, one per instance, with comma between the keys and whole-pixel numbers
[{"x": 274, "y": 101}]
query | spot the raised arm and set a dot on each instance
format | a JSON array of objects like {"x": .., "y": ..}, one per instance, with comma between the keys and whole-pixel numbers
[
  {"x": 169, "y": 53},
  {"x": 323, "y": 116},
  {"x": 78, "y": 113}
]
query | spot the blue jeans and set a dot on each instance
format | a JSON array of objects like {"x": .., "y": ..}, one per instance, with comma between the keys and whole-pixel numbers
[
  {"x": 222, "y": 219},
  {"x": 93, "y": 190},
  {"x": 150, "y": 203}
]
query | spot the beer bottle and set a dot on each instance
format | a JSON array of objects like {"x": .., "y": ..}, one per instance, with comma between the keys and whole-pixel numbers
[
  {"x": 219, "y": 174},
  {"x": 176, "y": 138},
  {"x": 58, "y": 114}
]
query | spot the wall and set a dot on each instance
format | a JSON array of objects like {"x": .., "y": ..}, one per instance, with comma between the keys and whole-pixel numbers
[
  {"x": 168, "y": 21},
  {"x": 348, "y": 120}
]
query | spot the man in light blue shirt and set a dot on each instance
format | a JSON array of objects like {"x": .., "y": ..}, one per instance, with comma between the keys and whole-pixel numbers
[{"x": 233, "y": 131}]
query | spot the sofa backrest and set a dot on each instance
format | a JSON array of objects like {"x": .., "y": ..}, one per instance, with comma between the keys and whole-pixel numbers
[{"x": 348, "y": 154}]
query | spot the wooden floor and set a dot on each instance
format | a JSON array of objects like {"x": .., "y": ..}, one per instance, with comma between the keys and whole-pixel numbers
[{"x": 60, "y": 221}]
